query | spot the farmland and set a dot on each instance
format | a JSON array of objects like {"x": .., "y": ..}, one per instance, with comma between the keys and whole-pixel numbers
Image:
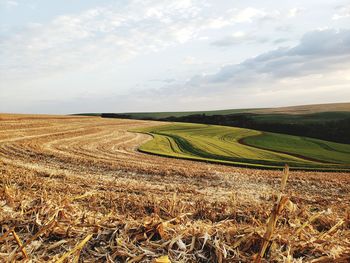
[
  {"x": 245, "y": 147},
  {"x": 293, "y": 110},
  {"x": 76, "y": 188},
  {"x": 329, "y": 122}
]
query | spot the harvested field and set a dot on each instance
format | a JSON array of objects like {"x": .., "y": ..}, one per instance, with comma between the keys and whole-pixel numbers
[{"x": 75, "y": 189}]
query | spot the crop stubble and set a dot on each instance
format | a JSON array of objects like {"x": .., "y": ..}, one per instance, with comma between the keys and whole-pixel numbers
[{"x": 75, "y": 187}]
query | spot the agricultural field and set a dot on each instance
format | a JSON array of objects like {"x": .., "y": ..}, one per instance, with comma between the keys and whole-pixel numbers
[
  {"x": 330, "y": 122},
  {"x": 334, "y": 108},
  {"x": 245, "y": 147},
  {"x": 76, "y": 189}
]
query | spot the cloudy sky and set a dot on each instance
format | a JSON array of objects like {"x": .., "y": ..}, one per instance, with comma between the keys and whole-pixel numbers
[{"x": 73, "y": 56}]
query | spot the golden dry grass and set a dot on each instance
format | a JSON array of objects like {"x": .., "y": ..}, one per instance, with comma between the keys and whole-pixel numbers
[{"x": 75, "y": 189}]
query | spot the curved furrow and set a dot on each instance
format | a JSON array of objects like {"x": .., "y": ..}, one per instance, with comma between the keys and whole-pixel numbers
[{"x": 84, "y": 146}]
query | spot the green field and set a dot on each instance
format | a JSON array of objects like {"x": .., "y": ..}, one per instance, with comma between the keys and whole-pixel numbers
[
  {"x": 330, "y": 122},
  {"x": 301, "y": 119},
  {"x": 245, "y": 147}
]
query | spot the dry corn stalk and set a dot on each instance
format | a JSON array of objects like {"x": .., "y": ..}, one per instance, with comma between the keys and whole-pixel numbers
[
  {"x": 77, "y": 248},
  {"x": 277, "y": 209},
  {"x": 309, "y": 221},
  {"x": 19, "y": 242},
  {"x": 340, "y": 222}
]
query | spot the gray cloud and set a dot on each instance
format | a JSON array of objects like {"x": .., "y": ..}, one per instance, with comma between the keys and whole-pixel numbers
[
  {"x": 280, "y": 40},
  {"x": 320, "y": 62},
  {"x": 316, "y": 52},
  {"x": 323, "y": 43}
]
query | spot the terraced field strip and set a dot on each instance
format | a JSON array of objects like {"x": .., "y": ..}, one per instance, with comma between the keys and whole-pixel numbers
[
  {"x": 307, "y": 148},
  {"x": 244, "y": 147}
]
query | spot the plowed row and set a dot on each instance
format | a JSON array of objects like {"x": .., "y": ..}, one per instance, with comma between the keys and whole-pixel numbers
[{"x": 64, "y": 179}]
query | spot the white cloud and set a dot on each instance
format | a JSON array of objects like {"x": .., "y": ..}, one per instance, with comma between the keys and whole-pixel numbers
[
  {"x": 239, "y": 34},
  {"x": 104, "y": 34},
  {"x": 9, "y": 3},
  {"x": 97, "y": 35},
  {"x": 239, "y": 16},
  {"x": 190, "y": 60},
  {"x": 247, "y": 15},
  {"x": 342, "y": 12},
  {"x": 240, "y": 37},
  {"x": 217, "y": 23},
  {"x": 294, "y": 12}
]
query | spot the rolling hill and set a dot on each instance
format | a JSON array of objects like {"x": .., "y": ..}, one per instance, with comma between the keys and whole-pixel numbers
[
  {"x": 329, "y": 122},
  {"x": 295, "y": 110},
  {"x": 244, "y": 147}
]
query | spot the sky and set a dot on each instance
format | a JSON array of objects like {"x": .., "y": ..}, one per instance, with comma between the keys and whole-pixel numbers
[{"x": 74, "y": 56}]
